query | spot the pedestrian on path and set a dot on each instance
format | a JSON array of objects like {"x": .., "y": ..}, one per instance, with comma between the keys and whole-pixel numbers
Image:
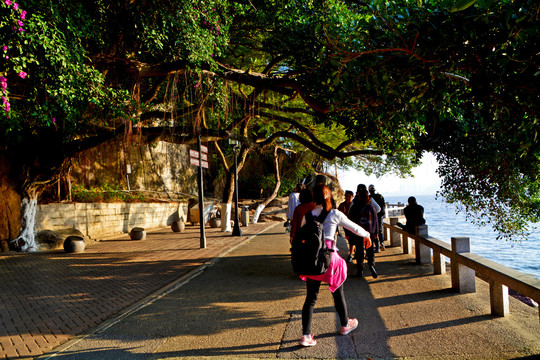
[
  {"x": 336, "y": 274},
  {"x": 294, "y": 201},
  {"x": 306, "y": 204},
  {"x": 344, "y": 207},
  {"x": 379, "y": 199},
  {"x": 363, "y": 213}
]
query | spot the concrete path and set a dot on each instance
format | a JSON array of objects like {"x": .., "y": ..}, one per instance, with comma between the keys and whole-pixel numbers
[
  {"x": 49, "y": 298},
  {"x": 247, "y": 306}
]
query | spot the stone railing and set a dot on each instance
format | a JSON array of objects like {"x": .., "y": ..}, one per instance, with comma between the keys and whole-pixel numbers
[{"x": 464, "y": 265}]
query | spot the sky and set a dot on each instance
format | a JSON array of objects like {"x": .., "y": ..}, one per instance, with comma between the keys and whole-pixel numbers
[{"x": 424, "y": 182}]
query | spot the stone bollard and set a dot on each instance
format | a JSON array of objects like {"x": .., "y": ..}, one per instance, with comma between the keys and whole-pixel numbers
[
  {"x": 463, "y": 278},
  {"x": 245, "y": 216},
  {"x": 395, "y": 237},
  {"x": 422, "y": 252}
]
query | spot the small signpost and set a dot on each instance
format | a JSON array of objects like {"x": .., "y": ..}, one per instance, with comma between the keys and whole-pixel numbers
[{"x": 200, "y": 159}]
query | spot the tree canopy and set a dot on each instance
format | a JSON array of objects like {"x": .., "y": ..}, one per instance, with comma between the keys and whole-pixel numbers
[{"x": 384, "y": 80}]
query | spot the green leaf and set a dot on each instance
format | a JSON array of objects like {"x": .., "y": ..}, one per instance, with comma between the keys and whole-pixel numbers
[{"x": 462, "y": 5}]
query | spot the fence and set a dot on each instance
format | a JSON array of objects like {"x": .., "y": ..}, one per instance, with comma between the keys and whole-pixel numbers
[
  {"x": 394, "y": 209},
  {"x": 464, "y": 265}
]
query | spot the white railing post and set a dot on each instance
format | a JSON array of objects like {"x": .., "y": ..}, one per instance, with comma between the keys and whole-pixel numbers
[
  {"x": 395, "y": 237},
  {"x": 498, "y": 297},
  {"x": 422, "y": 251},
  {"x": 463, "y": 278}
]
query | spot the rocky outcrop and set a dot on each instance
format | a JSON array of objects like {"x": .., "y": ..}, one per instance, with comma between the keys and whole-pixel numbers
[{"x": 10, "y": 203}]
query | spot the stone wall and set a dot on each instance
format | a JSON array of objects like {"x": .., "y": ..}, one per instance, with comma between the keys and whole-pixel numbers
[
  {"x": 160, "y": 166},
  {"x": 101, "y": 219}
]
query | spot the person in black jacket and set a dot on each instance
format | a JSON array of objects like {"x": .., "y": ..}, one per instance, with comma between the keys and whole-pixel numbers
[
  {"x": 414, "y": 213},
  {"x": 364, "y": 214},
  {"x": 379, "y": 199}
]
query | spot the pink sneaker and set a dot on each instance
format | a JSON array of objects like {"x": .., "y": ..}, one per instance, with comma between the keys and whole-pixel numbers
[
  {"x": 308, "y": 340},
  {"x": 351, "y": 325}
]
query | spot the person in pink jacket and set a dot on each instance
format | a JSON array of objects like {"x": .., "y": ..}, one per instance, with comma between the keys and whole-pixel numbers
[{"x": 336, "y": 274}]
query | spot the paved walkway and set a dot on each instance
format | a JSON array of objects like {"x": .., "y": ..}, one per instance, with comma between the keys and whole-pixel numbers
[
  {"x": 48, "y": 298},
  {"x": 244, "y": 306}
]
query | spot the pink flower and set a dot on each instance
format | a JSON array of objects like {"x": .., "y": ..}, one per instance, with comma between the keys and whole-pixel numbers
[
  {"x": 22, "y": 74},
  {"x": 197, "y": 85},
  {"x": 5, "y": 48},
  {"x": 4, "y": 100},
  {"x": 3, "y": 83},
  {"x": 15, "y": 6},
  {"x": 8, "y": 107},
  {"x": 53, "y": 120},
  {"x": 23, "y": 14},
  {"x": 7, "y": 2},
  {"x": 20, "y": 23}
]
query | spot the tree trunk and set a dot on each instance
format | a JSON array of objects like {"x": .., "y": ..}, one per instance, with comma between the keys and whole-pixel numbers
[
  {"x": 272, "y": 196},
  {"x": 226, "y": 205},
  {"x": 228, "y": 190},
  {"x": 27, "y": 240}
]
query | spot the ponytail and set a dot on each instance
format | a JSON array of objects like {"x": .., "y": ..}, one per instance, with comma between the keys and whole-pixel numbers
[{"x": 322, "y": 195}]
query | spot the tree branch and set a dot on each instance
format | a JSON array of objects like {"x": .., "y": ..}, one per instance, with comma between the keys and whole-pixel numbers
[{"x": 327, "y": 154}]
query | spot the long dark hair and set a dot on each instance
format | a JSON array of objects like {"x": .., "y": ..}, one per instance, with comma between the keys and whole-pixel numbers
[
  {"x": 363, "y": 196},
  {"x": 322, "y": 195},
  {"x": 306, "y": 196}
]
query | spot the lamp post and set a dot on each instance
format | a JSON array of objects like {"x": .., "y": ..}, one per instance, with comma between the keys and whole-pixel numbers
[{"x": 236, "y": 228}]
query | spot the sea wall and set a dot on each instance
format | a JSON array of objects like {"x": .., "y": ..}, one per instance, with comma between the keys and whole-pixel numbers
[{"x": 101, "y": 219}]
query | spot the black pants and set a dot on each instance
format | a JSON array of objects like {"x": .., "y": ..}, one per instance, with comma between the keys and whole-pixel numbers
[
  {"x": 369, "y": 254},
  {"x": 311, "y": 298},
  {"x": 380, "y": 240}
]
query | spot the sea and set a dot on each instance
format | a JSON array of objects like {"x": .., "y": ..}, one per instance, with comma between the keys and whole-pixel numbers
[{"x": 444, "y": 222}]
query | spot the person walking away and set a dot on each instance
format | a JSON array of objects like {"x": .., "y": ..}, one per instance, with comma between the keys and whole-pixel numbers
[
  {"x": 336, "y": 274},
  {"x": 294, "y": 201},
  {"x": 374, "y": 203},
  {"x": 344, "y": 208},
  {"x": 414, "y": 214},
  {"x": 306, "y": 205},
  {"x": 379, "y": 199},
  {"x": 363, "y": 213}
]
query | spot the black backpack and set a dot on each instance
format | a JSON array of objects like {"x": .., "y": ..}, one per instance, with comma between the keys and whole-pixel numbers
[{"x": 309, "y": 253}]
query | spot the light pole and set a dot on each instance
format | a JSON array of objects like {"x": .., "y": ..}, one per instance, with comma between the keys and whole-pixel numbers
[{"x": 236, "y": 228}]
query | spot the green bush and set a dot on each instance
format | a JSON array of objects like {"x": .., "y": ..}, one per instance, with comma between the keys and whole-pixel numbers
[{"x": 105, "y": 194}]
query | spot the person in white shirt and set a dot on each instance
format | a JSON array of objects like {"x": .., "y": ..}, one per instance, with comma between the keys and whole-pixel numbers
[
  {"x": 336, "y": 274},
  {"x": 294, "y": 201}
]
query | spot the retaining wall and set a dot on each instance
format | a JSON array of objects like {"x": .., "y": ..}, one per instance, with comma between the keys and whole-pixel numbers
[{"x": 101, "y": 219}]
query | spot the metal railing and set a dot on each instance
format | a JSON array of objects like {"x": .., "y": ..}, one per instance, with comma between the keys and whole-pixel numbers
[{"x": 465, "y": 266}]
